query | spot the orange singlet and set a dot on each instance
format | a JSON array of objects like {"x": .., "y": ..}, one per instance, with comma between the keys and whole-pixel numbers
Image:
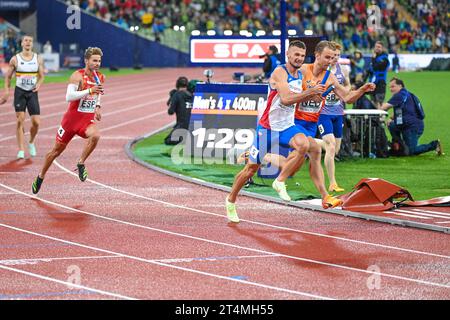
[{"x": 310, "y": 110}]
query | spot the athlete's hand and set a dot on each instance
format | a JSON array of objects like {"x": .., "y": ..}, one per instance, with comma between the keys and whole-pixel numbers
[
  {"x": 318, "y": 89},
  {"x": 4, "y": 98},
  {"x": 98, "y": 89},
  {"x": 368, "y": 87},
  {"x": 37, "y": 88}
]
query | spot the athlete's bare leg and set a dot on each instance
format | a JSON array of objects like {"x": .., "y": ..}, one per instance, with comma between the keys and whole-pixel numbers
[
  {"x": 93, "y": 135},
  {"x": 35, "y": 122},
  {"x": 58, "y": 148},
  {"x": 241, "y": 178},
  {"x": 330, "y": 153},
  {"x": 301, "y": 145},
  {"x": 315, "y": 167},
  {"x": 20, "y": 130}
]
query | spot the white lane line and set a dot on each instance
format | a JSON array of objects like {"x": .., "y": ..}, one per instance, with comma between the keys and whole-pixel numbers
[
  {"x": 50, "y": 259},
  {"x": 73, "y": 285},
  {"x": 224, "y": 244},
  {"x": 420, "y": 213},
  {"x": 169, "y": 265},
  {"x": 443, "y": 222},
  {"x": 407, "y": 215},
  {"x": 433, "y": 212},
  {"x": 206, "y": 259},
  {"x": 170, "y": 204}
]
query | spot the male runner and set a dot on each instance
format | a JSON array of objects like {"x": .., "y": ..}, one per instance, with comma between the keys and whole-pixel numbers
[
  {"x": 331, "y": 122},
  {"x": 307, "y": 113},
  {"x": 83, "y": 93},
  {"x": 276, "y": 126},
  {"x": 29, "y": 69}
]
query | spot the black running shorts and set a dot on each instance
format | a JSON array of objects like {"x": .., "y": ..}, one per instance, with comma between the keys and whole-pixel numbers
[{"x": 26, "y": 100}]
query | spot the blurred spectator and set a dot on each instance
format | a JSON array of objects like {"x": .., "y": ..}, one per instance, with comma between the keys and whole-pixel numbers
[
  {"x": 48, "y": 47},
  {"x": 358, "y": 67},
  {"x": 378, "y": 71},
  {"x": 395, "y": 63}
]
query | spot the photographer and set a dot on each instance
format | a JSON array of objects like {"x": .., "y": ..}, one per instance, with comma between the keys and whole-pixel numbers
[
  {"x": 180, "y": 103},
  {"x": 407, "y": 124},
  {"x": 272, "y": 60}
]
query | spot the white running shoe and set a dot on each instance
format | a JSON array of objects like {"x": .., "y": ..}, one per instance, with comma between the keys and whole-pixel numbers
[
  {"x": 231, "y": 211},
  {"x": 32, "y": 149},
  {"x": 280, "y": 187}
]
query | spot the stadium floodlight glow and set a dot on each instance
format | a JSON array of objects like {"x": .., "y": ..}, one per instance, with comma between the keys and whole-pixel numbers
[
  {"x": 308, "y": 32},
  {"x": 276, "y": 32},
  {"x": 176, "y": 27},
  {"x": 136, "y": 28},
  {"x": 195, "y": 32},
  {"x": 292, "y": 32},
  {"x": 132, "y": 28},
  {"x": 243, "y": 32},
  {"x": 228, "y": 32},
  {"x": 260, "y": 33},
  {"x": 211, "y": 32},
  {"x": 182, "y": 28}
]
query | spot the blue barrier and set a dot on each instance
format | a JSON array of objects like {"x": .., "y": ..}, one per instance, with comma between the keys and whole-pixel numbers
[{"x": 120, "y": 47}]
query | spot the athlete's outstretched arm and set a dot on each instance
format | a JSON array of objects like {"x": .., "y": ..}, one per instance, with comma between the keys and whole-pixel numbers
[
  {"x": 11, "y": 68},
  {"x": 353, "y": 95},
  {"x": 278, "y": 80}
]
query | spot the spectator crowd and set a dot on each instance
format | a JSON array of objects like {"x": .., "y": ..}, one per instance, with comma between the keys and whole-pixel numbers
[{"x": 416, "y": 26}]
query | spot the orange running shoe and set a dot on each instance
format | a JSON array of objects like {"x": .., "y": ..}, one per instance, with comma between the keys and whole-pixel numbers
[
  {"x": 331, "y": 202},
  {"x": 335, "y": 188}
]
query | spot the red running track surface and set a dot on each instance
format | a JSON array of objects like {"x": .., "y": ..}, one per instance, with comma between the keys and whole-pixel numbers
[{"x": 131, "y": 233}]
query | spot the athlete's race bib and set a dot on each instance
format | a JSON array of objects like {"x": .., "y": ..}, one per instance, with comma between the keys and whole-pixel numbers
[
  {"x": 87, "y": 104},
  {"x": 332, "y": 99},
  {"x": 310, "y": 106},
  {"x": 27, "y": 82}
]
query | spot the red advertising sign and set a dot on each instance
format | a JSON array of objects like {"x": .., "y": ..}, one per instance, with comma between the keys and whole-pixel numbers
[{"x": 230, "y": 50}]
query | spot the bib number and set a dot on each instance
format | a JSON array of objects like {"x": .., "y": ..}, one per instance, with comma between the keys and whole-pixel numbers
[{"x": 87, "y": 104}]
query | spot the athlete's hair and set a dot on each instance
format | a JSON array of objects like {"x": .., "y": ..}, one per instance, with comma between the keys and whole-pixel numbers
[
  {"x": 298, "y": 44},
  {"x": 182, "y": 82},
  {"x": 324, "y": 44},
  {"x": 26, "y": 35},
  {"x": 380, "y": 43},
  {"x": 398, "y": 82},
  {"x": 337, "y": 45},
  {"x": 93, "y": 51}
]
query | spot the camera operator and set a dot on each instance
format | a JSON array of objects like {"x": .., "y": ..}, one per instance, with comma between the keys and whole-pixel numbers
[
  {"x": 180, "y": 103},
  {"x": 272, "y": 60}
]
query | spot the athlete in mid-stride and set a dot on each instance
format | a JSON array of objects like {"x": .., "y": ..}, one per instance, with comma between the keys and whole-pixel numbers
[
  {"x": 83, "y": 93},
  {"x": 276, "y": 126},
  {"x": 331, "y": 121}
]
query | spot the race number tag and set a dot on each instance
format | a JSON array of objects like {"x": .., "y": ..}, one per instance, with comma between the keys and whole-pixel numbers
[
  {"x": 254, "y": 152},
  {"x": 87, "y": 104},
  {"x": 61, "y": 131}
]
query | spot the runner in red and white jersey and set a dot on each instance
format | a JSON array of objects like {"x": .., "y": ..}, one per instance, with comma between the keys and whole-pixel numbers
[{"x": 83, "y": 92}]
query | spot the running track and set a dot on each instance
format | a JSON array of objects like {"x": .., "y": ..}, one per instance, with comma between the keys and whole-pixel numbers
[{"x": 131, "y": 233}]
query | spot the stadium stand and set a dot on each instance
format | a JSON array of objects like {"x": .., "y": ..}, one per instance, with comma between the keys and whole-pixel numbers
[{"x": 409, "y": 25}]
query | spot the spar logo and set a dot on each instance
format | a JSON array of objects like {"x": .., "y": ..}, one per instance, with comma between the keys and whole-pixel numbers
[{"x": 230, "y": 50}]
